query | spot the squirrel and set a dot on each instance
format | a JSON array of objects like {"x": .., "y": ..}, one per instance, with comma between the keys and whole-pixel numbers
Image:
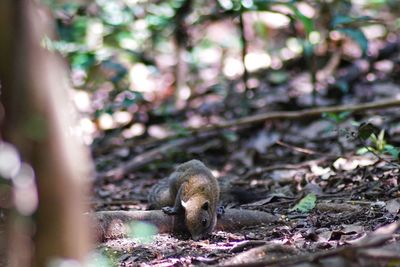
[{"x": 192, "y": 191}]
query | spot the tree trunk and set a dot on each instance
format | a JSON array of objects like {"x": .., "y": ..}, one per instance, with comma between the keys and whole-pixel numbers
[{"x": 37, "y": 120}]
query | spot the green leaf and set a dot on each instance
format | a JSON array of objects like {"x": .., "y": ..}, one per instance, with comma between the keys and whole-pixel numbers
[
  {"x": 262, "y": 5},
  {"x": 362, "y": 151},
  {"x": 306, "y": 204},
  {"x": 308, "y": 49},
  {"x": 344, "y": 115},
  {"x": 278, "y": 77},
  {"x": 82, "y": 60},
  {"x": 343, "y": 20},
  {"x": 330, "y": 116},
  {"x": 230, "y": 135},
  {"x": 358, "y": 36},
  {"x": 75, "y": 32},
  {"x": 365, "y": 130},
  {"x": 393, "y": 151},
  {"x": 306, "y": 21},
  {"x": 340, "y": 20},
  {"x": 380, "y": 142},
  {"x": 336, "y": 117}
]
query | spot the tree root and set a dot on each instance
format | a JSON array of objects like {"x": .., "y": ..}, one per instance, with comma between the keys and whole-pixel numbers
[{"x": 115, "y": 224}]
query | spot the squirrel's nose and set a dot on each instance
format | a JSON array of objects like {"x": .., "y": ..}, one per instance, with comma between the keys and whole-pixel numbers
[{"x": 196, "y": 237}]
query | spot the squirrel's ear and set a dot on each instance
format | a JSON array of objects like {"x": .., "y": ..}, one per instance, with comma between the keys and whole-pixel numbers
[
  {"x": 184, "y": 204},
  {"x": 205, "y": 206}
]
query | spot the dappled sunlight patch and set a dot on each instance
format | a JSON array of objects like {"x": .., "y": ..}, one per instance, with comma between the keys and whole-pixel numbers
[
  {"x": 82, "y": 100},
  {"x": 196, "y": 121},
  {"x": 141, "y": 78},
  {"x": 158, "y": 131},
  {"x": 137, "y": 129},
  {"x": 10, "y": 161},
  {"x": 106, "y": 121},
  {"x": 257, "y": 60},
  {"x": 233, "y": 67},
  {"x": 271, "y": 19},
  {"x": 142, "y": 232},
  {"x": 25, "y": 193},
  {"x": 122, "y": 117}
]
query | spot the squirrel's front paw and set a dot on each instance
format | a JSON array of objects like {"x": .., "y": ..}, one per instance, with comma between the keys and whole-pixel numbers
[
  {"x": 169, "y": 210},
  {"x": 220, "y": 211}
]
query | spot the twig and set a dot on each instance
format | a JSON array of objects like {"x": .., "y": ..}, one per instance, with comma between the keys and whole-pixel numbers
[{"x": 299, "y": 149}]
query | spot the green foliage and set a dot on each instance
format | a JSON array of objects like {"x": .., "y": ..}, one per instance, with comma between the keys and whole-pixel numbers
[
  {"x": 336, "y": 117},
  {"x": 103, "y": 40},
  {"x": 306, "y": 204},
  {"x": 230, "y": 136},
  {"x": 306, "y": 21},
  {"x": 365, "y": 130},
  {"x": 378, "y": 143}
]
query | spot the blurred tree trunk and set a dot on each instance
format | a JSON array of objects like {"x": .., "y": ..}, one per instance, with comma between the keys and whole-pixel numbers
[
  {"x": 181, "y": 40},
  {"x": 37, "y": 120}
]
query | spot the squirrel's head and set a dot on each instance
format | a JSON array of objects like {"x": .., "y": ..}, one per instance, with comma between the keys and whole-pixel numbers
[{"x": 199, "y": 217}]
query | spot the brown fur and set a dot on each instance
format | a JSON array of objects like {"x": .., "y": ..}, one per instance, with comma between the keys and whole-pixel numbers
[{"x": 198, "y": 199}]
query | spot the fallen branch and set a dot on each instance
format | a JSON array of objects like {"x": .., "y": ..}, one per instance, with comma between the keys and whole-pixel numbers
[
  {"x": 292, "y": 115},
  {"x": 115, "y": 224},
  {"x": 150, "y": 156},
  {"x": 159, "y": 152},
  {"x": 300, "y": 114}
]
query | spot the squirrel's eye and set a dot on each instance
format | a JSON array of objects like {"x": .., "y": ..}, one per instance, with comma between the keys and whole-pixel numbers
[{"x": 204, "y": 222}]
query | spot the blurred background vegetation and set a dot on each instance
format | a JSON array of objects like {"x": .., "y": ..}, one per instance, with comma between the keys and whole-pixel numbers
[{"x": 135, "y": 63}]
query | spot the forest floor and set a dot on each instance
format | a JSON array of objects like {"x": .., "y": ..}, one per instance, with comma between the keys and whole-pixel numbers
[{"x": 280, "y": 162}]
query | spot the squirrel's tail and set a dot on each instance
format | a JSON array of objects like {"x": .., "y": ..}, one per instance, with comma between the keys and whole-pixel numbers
[{"x": 159, "y": 195}]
